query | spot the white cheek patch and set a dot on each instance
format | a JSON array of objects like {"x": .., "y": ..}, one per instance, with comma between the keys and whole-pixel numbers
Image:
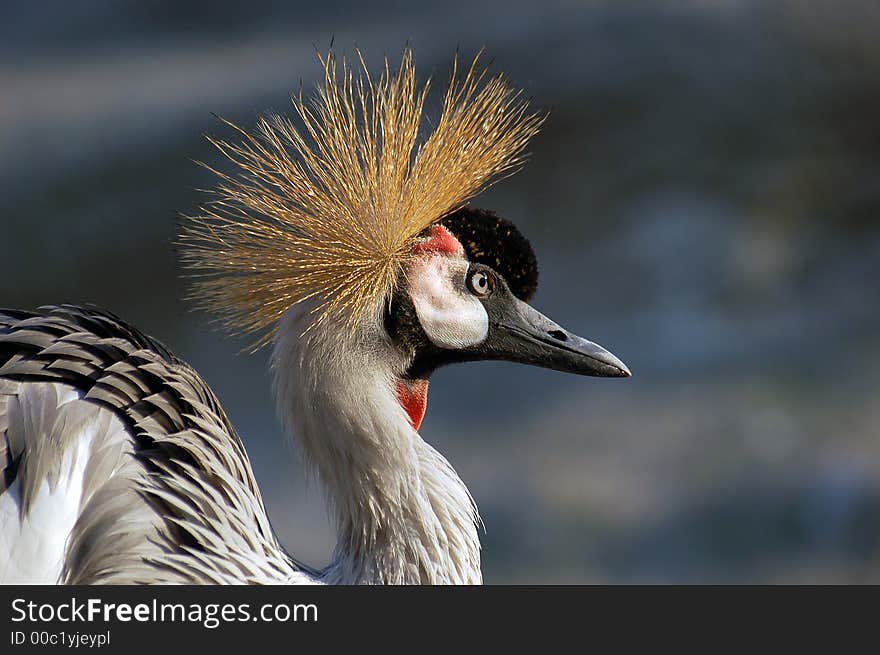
[{"x": 450, "y": 316}]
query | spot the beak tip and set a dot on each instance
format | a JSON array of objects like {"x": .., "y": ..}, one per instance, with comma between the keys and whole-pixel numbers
[
  {"x": 618, "y": 368},
  {"x": 620, "y": 371}
]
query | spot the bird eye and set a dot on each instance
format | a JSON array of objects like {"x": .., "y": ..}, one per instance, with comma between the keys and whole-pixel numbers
[{"x": 481, "y": 283}]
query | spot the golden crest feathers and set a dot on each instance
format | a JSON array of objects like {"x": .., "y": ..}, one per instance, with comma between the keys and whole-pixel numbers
[{"x": 331, "y": 212}]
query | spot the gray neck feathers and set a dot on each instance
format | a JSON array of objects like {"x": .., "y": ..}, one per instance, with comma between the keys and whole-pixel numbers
[{"x": 403, "y": 515}]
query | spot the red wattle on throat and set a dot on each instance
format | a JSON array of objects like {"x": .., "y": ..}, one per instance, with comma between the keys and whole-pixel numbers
[{"x": 413, "y": 397}]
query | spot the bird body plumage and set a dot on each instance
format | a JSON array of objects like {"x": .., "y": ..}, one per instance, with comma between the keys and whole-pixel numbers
[{"x": 120, "y": 466}]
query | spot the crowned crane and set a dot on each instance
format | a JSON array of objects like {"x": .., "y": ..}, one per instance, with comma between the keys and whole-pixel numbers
[{"x": 351, "y": 250}]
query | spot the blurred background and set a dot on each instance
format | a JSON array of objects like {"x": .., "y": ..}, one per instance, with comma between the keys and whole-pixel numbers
[{"x": 704, "y": 201}]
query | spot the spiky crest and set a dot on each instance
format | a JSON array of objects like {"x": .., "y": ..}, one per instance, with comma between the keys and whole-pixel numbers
[{"x": 333, "y": 211}]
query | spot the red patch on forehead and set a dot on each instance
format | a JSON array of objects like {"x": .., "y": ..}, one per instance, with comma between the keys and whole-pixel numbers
[
  {"x": 441, "y": 241},
  {"x": 413, "y": 397}
]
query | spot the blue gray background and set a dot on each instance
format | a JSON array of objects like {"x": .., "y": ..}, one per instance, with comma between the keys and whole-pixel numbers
[{"x": 703, "y": 201}]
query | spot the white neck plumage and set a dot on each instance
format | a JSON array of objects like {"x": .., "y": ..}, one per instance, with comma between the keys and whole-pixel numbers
[{"x": 403, "y": 515}]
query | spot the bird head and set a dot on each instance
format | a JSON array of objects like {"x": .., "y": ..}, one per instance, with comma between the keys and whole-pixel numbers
[
  {"x": 464, "y": 297},
  {"x": 362, "y": 215}
]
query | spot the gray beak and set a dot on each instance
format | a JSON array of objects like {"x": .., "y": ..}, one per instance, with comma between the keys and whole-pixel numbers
[{"x": 520, "y": 333}]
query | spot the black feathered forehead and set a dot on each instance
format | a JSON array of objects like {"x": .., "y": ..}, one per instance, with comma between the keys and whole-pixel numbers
[{"x": 493, "y": 241}]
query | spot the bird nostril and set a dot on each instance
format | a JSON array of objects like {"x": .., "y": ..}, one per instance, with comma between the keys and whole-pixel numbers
[{"x": 558, "y": 334}]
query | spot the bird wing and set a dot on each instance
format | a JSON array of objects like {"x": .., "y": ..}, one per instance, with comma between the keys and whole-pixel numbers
[{"x": 119, "y": 464}]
